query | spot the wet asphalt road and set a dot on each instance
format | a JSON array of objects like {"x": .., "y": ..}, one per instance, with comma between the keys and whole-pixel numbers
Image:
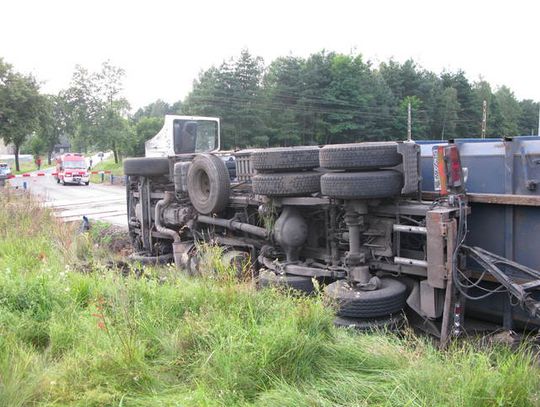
[{"x": 70, "y": 202}]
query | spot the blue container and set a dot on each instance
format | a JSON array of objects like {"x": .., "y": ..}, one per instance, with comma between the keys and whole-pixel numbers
[
  {"x": 498, "y": 166},
  {"x": 507, "y": 167}
]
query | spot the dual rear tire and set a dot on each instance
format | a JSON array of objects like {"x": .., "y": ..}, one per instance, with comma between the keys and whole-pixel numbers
[
  {"x": 286, "y": 171},
  {"x": 349, "y": 171}
]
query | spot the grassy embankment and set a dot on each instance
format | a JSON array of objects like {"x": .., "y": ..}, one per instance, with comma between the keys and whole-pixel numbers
[
  {"x": 26, "y": 166},
  {"x": 88, "y": 336},
  {"x": 106, "y": 165}
]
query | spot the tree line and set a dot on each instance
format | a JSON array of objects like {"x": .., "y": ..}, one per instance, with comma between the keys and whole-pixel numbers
[{"x": 325, "y": 98}]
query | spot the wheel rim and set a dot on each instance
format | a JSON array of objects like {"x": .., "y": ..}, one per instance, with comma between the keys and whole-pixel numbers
[{"x": 203, "y": 185}]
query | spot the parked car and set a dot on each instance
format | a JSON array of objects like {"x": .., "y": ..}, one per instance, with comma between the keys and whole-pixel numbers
[{"x": 5, "y": 171}]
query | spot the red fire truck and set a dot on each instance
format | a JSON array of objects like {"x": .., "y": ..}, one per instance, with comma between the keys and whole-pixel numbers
[{"x": 71, "y": 168}]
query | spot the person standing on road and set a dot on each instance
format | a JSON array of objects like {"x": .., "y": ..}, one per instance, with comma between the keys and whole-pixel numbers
[
  {"x": 38, "y": 162},
  {"x": 90, "y": 163}
]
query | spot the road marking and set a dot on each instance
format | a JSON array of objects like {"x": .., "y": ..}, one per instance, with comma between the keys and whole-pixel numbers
[{"x": 89, "y": 211}]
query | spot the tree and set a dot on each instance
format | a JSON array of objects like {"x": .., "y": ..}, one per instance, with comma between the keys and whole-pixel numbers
[
  {"x": 159, "y": 109},
  {"x": 317, "y": 79},
  {"x": 419, "y": 127},
  {"x": 83, "y": 106},
  {"x": 469, "y": 114},
  {"x": 144, "y": 129},
  {"x": 409, "y": 80},
  {"x": 282, "y": 87},
  {"x": 97, "y": 108},
  {"x": 334, "y": 98},
  {"x": 53, "y": 123},
  {"x": 113, "y": 128},
  {"x": 449, "y": 109},
  {"x": 35, "y": 145},
  {"x": 20, "y": 107},
  {"x": 528, "y": 121},
  {"x": 508, "y": 114},
  {"x": 482, "y": 92},
  {"x": 233, "y": 92}
]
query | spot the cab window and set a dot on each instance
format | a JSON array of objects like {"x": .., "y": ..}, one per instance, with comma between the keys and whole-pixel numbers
[{"x": 195, "y": 136}]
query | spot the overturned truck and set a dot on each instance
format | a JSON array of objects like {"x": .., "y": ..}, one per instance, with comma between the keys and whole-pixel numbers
[{"x": 351, "y": 217}]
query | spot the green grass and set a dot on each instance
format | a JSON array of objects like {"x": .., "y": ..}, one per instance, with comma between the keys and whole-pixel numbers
[
  {"x": 26, "y": 166},
  {"x": 73, "y": 333},
  {"x": 106, "y": 165}
]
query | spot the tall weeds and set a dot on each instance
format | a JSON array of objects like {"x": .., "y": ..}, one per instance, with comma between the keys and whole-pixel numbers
[{"x": 102, "y": 339}]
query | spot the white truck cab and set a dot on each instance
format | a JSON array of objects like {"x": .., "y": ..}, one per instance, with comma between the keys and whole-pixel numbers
[{"x": 185, "y": 135}]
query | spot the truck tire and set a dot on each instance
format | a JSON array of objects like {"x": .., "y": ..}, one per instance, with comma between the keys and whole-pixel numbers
[
  {"x": 287, "y": 183},
  {"x": 362, "y": 185},
  {"x": 146, "y": 167},
  {"x": 388, "y": 299},
  {"x": 208, "y": 184},
  {"x": 285, "y": 159},
  {"x": 268, "y": 278},
  {"x": 359, "y": 156}
]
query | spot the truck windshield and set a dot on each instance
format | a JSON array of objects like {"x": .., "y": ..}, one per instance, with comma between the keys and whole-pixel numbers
[
  {"x": 195, "y": 136},
  {"x": 75, "y": 164}
]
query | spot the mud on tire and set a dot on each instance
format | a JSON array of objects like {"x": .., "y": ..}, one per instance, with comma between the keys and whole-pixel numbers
[
  {"x": 285, "y": 159},
  {"x": 359, "y": 156}
]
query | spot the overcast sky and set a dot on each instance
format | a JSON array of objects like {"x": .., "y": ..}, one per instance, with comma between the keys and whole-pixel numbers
[{"x": 163, "y": 45}]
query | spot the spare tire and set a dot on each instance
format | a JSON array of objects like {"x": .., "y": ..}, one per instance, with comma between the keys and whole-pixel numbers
[
  {"x": 362, "y": 185},
  {"x": 285, "y": 159},
  {"x": 287, "y": 183},
  {"x": 208, "y": 184},
  {"x": 268, "y": 278},
  {"x": 359, "y": 156},
  {"x": 388, "y": 299},
  {"x": 146, "y": 166}
]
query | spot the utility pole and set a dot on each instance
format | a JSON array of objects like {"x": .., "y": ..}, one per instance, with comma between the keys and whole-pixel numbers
[
  {"x": 484, "y": 118},
  {"x": 538, "y": 134},
  {"x": 409, "y": 123}
]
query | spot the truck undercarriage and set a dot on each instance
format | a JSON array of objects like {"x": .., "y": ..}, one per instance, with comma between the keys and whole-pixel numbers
[{"x": 350, "y": 217}]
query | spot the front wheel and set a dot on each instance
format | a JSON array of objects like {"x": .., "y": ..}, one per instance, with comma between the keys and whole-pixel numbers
[{"x": 87, "y": 183}]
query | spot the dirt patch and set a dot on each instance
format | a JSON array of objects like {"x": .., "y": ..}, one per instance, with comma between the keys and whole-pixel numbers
[{"x": 110, "y": 237}]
